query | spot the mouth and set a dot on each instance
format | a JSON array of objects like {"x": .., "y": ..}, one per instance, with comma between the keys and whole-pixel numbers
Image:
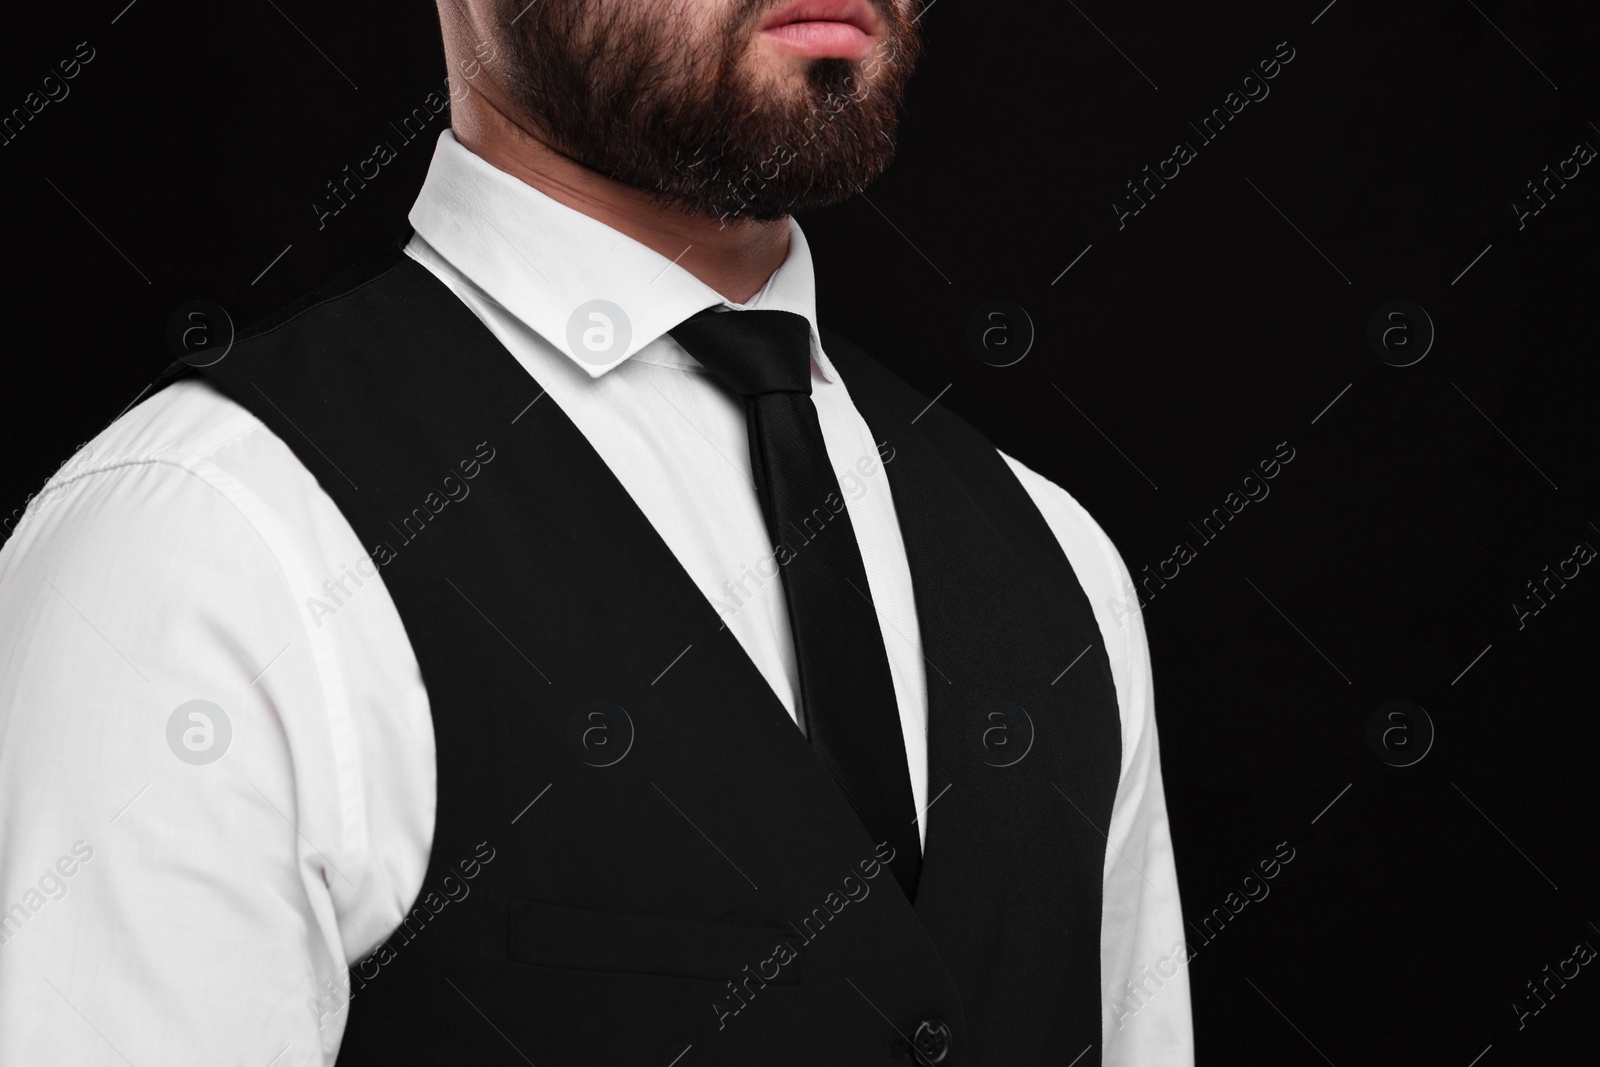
[{"x": 845, "y": 29}]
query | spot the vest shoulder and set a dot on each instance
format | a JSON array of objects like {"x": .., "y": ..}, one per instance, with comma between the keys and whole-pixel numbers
[
  {"x": 372, "y": 267},
  {"x": 871, "y": 382},
  {"x": 326, "y": 306}
]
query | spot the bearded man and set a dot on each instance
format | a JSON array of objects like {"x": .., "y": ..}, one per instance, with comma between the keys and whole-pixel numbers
[{"x": 549, "y": 643}]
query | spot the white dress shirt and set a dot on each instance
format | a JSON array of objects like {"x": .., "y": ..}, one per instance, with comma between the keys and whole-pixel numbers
[{"x": 155, "y": 910}]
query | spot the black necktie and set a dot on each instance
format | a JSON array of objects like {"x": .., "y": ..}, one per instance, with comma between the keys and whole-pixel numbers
[{"x": 846, "y": 701}]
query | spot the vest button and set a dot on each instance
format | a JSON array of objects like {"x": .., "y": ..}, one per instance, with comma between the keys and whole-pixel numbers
[{"x": 931, "y": 1041}]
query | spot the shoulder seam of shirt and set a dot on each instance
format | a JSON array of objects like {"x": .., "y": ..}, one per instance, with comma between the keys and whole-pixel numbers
[
  {"x": 172, "y": 457},
  {"x": 202, "y": 449},
  {"x": 352, "y": 814}
]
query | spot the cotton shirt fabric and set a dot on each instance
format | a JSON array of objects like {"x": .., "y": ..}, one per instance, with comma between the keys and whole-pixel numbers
[{"x": 156, "y": 910}]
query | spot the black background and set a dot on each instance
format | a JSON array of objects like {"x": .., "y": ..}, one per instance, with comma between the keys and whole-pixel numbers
[{"x": 1177, "y": 352}]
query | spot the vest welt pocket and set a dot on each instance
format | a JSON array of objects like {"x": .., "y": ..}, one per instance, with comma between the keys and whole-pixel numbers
[{"x": 611, "y": 942}]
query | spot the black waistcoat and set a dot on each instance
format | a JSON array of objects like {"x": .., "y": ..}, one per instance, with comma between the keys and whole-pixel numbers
[{"x": 636, "y": 856}]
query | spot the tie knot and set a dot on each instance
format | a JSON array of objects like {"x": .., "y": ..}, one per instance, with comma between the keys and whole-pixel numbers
[{"x": 751, "y": 352}]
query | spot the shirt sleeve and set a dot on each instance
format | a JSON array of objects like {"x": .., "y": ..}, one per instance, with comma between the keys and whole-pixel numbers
[
  {"x": 1145, "y": 1019},
  {"x": 173, "y": 846}
]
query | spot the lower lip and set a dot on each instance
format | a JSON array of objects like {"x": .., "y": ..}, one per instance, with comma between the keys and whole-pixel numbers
[{"x": 820, "y": 39}]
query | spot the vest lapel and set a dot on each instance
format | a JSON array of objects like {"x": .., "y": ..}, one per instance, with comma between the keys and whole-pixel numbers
[{"x": 1024, "y": 762}]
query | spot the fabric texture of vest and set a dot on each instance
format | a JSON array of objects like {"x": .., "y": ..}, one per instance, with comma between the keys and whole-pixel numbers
[{"x": 632, "y": 863}]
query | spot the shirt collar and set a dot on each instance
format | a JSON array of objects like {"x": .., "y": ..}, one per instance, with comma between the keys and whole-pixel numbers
[{"x": 544, "y": 261}]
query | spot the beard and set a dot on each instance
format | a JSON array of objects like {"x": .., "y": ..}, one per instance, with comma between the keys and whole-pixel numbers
[{"x": 643, "y": 94}]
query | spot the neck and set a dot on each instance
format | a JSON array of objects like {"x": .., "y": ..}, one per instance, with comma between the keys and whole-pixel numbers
[{"x": 734, "y": 258}]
